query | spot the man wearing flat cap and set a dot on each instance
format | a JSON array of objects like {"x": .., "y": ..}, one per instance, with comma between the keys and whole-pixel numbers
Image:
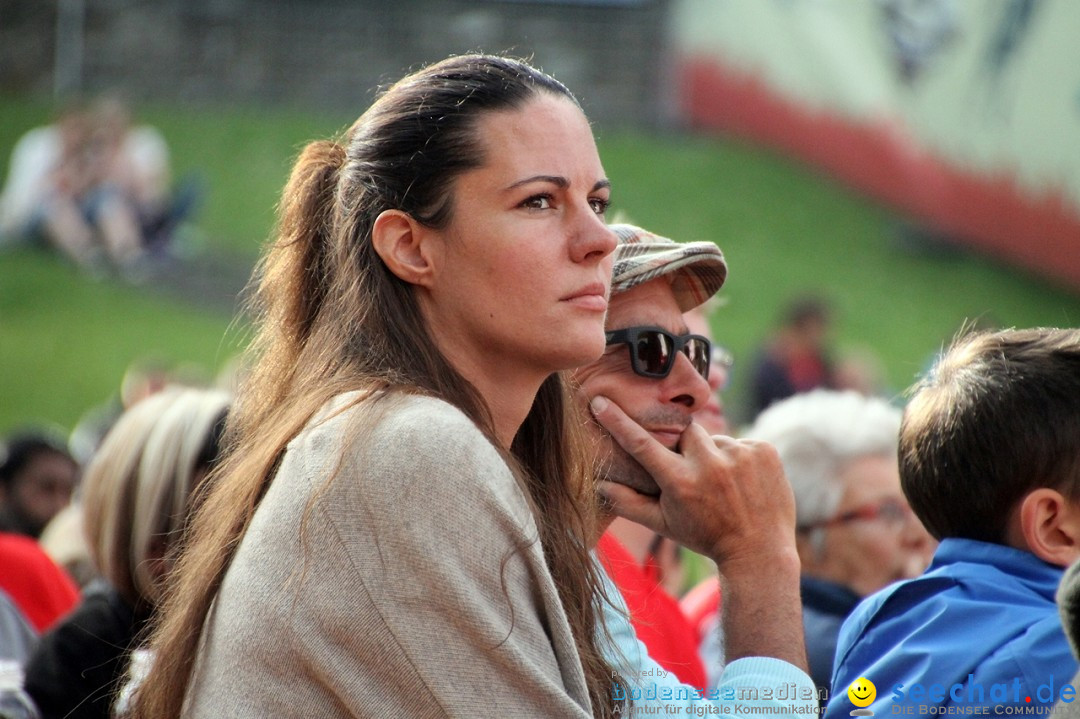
[{"x": 727, "y": 499}]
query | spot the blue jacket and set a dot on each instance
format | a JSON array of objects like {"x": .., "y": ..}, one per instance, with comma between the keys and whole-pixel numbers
[{"x": 978, "y": 628}]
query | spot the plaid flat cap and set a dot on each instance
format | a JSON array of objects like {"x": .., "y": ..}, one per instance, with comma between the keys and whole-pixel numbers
[{"x": 698, "y": 268}]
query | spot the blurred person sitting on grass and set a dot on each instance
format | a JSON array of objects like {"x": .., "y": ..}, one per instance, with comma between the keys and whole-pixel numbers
[
  {"x": 93, "y": 186},
  {"x": 136, "y": 165},
  {"x": 138, "y": 493},
  {"x": 988, "y": 462},
  {"x": 56, "y": 193}
]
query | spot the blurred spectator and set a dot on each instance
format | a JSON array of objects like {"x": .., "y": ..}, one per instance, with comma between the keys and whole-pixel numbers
[
  {"x": 136, "y": 501},
  {"x": 42, "y": 159},
  {"x": 94, "y": 187},
  {"x": 41, "y": 589},
  {"x": 645, "y": 566},
  {"x": 796, "y": 358},
  {"x": 37, "y": 477},
  {"x": 55, "y": 193}
]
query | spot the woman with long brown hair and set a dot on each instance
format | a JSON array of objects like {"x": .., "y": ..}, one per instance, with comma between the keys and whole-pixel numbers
[{"x": 400, "y": 527}]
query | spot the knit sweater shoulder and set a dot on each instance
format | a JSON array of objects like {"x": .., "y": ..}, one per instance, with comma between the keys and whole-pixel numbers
[{"x": 392, "y": 569}]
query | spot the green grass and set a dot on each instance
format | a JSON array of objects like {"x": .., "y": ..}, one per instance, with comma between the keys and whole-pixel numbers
[{"x": 65, "y": 340}]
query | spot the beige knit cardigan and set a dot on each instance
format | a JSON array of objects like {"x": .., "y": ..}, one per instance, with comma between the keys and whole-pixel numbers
[{"x": 411, "y": 585}]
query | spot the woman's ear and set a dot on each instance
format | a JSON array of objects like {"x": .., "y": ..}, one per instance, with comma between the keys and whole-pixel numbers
[
  {"x": 1050, "y": 524},
  {"x": 404, "y": 245}
]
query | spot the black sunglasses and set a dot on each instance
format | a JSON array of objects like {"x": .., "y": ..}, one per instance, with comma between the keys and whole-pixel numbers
[{"x": 653, "y": 350}]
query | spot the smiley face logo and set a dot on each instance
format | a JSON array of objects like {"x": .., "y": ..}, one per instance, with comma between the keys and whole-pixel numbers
[{"x": 862, "y": 692}]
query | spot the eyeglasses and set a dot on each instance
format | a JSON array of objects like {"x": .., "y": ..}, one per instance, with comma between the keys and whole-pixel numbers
[
  {"x": 653, "y": 350},
  {"x": 892, "y": 512}
]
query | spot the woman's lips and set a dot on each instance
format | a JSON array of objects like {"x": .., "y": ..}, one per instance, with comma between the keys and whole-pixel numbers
[{"x": 592, "y": 297}]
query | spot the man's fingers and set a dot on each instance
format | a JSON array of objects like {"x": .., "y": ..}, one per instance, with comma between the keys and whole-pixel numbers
[
  {"x": 636, "y": 507},
  {"x": 638, "y": 443}
]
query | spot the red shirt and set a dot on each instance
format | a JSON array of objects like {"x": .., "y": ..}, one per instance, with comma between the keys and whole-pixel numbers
[
  {"x": 38, "y": 585},
  {"x": 654, "y": 613}
]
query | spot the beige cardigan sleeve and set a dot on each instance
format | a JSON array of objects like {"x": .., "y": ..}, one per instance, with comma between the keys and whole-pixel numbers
[{"x": 410, "y": 585}]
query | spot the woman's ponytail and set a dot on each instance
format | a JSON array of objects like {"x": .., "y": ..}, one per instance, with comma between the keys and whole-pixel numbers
[{"x": 295, "y": 274}]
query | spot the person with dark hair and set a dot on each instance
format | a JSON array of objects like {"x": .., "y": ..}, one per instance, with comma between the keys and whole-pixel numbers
[
  {"x": 796, "y": 358},
  {"x": 37, "y": 478},
  {"x": 989, "y": 465},
  {"x": 400, "y": 525},
  {"x": 136, "y": 499}
]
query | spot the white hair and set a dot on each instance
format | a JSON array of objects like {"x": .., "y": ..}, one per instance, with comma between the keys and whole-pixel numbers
[{"x": 817, "y": 434}]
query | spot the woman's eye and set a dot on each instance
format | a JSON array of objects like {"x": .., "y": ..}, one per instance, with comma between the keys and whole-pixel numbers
[
  {"x": 599, "y": 205},
  {"x": 538, "y": 202}
]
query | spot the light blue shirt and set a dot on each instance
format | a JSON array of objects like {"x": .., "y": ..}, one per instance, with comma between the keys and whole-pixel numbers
[{"x": 778, "y": 688}]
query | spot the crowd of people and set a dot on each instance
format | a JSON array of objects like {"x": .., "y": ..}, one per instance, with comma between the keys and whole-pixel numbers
[{"x": 478, "y": 430}]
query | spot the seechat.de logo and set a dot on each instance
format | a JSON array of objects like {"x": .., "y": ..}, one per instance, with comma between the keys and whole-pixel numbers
[{"x": 862, "y": 693}]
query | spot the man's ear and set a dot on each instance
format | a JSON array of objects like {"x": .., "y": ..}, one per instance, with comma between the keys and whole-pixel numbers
[
  {"x": 1050, "y": 524},
  {"x": 403, "y": 244}
]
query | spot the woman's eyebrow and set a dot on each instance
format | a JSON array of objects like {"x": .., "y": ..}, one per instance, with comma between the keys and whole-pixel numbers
[{"x": 558, "y": 181}]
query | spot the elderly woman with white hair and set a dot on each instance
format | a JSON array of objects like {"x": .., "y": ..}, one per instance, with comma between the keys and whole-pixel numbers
[
  {"x": 855, "y": 530},
  {"x": 137, "y": 495}
]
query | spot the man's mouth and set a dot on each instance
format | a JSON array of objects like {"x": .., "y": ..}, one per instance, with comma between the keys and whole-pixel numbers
[{"x": 669, "y": 437}]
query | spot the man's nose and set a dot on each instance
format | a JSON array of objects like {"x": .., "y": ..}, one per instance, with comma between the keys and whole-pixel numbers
[{"x": 685, "y": 385}]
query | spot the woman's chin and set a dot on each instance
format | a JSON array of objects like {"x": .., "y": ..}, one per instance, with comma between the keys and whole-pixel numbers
[{"x": 587, "y": 352}]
